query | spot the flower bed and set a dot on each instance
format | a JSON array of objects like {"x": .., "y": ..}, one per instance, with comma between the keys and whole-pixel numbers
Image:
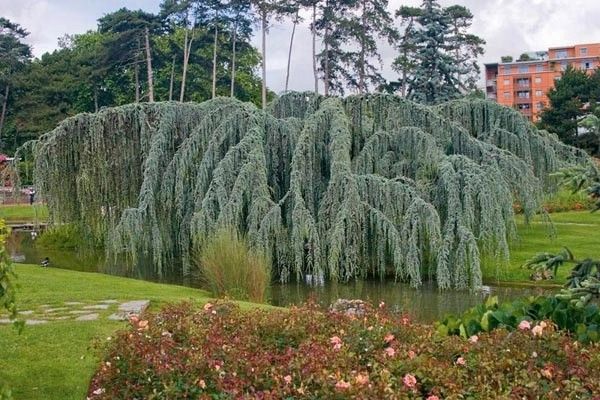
[{"x": 221, "y": 352}]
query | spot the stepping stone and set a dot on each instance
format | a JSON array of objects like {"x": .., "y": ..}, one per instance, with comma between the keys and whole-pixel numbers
[
  {"x": 45, "y": 305},
  {"x": 35, "y": 321},
  {"x": 129, "y": 309},
  {"x": 51, "y": 310},
  {"x": 97, "y": 307},
  {"x": 108, "y": 301},
  {"x": 79, "y": 312},
  {"x": 61, "y": 318},
  {"x": 72, "y": 303},
  {"x": 27, "y": 322},
  {"x": 27, "y": 312},
  {"x": 87, "y": 317}
]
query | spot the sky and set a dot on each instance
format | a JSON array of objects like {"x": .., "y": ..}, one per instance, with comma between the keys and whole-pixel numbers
[{"x": 510, "y": 27}]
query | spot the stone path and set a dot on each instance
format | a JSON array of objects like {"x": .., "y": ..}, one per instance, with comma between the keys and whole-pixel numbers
[{"x": 111, "y": 309}]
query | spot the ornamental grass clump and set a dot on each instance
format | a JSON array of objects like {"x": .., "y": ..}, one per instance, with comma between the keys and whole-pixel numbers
[{"x": 230, "y": 268}]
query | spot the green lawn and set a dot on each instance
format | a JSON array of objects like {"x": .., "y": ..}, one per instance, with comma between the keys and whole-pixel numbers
[
  {"x": 23, "y": 212},
  {"x": 56, "y": 360},
  {"x": 577, "y": 230}
]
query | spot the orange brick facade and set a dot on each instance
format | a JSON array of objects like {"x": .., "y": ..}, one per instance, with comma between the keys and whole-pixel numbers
[{"x": 523, "y": 84}]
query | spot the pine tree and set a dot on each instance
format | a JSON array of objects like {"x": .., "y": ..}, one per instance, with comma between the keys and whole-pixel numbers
[
  {"x": 437, "y": 55},
  {"x": 369, "y": 21}
]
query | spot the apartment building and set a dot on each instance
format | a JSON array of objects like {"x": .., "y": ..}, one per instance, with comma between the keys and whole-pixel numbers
[{"x": 523, "y": 84}]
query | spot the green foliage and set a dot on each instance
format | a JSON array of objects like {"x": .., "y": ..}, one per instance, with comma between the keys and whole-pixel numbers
[
  {"x": 231, "y": 269},
  {"x": 7, "y": 276},
  {"x": 342, "y": 188},
  {"x": 573, "y": 95},
  {"x": 305, "y": 353},
  {"x": 62, "y": 237}
]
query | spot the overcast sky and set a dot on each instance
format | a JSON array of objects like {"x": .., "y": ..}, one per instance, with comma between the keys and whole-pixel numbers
[{"x": 510, "y": 27}]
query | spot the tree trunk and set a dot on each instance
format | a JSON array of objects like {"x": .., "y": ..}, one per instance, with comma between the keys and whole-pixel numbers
[
  {"x": 137, "y": 81},
  {"x": 264, "y": 60},
  {"x": 185, "y": 63},
  {"x": 4, "y": 106},
  {"x": 149, "y": 66},
  {"x": 95, "y": 99},
  {"x": 361, "y": 75},
  {"x": 326, "y": 77},
  {"x": 233, "y": 56},
  {"x": 214, "y": 71},
  {"x": 314, "y": 49},
  {"x": 287, "y": 75},
  {"x": 172, "y": 79}
]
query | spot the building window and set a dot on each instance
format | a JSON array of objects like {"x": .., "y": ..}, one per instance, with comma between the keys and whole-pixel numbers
[
  {"x": 539, "y": 68},
  {"x": 507, "y": 70},
  {"x": 506, "y": 82},
  {"x": 523, "y": 82},
  {"x": 507, "y": 95},
  {"x": 586, "y": 65},
  {"x": 557, "y": 78},
  {"x": 563, "y": 65},
  {"x": 523, "y": 69},
  {"x": 523, "y": 95},
  {"x": 538, "y": 93},
  {"x": 583, "y": 51},
  {"x": 539, "y": 105},
  {"x": 538, "y": 79},
  {"x": 561, "y": 54}
]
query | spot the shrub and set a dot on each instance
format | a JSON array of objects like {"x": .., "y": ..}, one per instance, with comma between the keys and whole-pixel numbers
[
  {"x": 230, "y": 268},
  {"x": 221, "y": 352},
  {"x": 62, "y": 237}
]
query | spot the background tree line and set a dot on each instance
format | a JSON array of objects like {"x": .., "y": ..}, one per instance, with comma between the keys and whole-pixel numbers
[{"x": 194, "y": 50}]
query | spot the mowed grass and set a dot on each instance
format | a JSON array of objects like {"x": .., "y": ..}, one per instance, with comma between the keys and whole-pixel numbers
[
  {"x": 56, "y": 360},
  {"x": 23, "y": 212},
  {"x": 577, "y": 230}
]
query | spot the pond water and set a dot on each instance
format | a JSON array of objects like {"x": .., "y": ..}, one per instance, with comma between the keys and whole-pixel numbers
[{"x": 426, "y": 304}]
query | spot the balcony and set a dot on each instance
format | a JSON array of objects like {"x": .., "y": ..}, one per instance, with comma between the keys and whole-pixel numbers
[{"x": 491, "y": 82}]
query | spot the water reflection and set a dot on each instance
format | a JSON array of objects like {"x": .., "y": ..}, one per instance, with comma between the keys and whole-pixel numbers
[{"x": 426, "y": 304}]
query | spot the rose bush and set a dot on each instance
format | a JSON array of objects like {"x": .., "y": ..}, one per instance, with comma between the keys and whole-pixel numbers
[{"x": 220, "y": 352}]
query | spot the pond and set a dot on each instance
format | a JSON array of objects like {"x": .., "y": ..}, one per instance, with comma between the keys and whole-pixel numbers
[{"x": 426, "y": 304}]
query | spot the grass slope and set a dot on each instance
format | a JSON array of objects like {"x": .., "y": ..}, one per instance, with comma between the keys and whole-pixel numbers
[
  {"x": 577, "y": 230},
  {"x": 23, "y": 212},
  {"x": 57, "y": 360}
]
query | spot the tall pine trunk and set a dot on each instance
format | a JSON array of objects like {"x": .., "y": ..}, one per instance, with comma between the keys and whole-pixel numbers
[
  {"x": 186, "y": 56},
  {"x": 326, "y": 77},
  {"x": 4, "y": 106},
  {"x": 214, "y": 71},
  {"x": 95, "y": 99},
  {"x": 172, "y": 79},
  {"x": 136, "y": 71},
  {"x": 264, "y": 60},
  {"x": 361, "y": 75},
  {"x": 233, "y": 56},
  {"x": 314, "y": 48},
  {"x": 149, "y": 67},
  {"x": 287, "y": 75}
]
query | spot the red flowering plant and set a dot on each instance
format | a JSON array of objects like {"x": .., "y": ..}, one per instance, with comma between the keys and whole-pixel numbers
[{"x": 221, "y": 352}]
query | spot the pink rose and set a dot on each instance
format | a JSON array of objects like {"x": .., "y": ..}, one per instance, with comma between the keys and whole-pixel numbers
[
  {"x": 388, "y": 338},
  {"x": 460, "y": 361},
  {"x": 411, "y": 354},
  {"x": 537, "y": 330},
  {"x": 342, "y": 385},
  {"x": 362, "y": 379},
  {"x": 390, "y": 352},
  {"x": 287, "y": 379},
  {"x": 474, "y": 339},
  {"x": 433, "y": 397},
  {"x": 524, "y": 325},
  {"x": 409, "y": 381},
  {"x": 336, "y": 342}
]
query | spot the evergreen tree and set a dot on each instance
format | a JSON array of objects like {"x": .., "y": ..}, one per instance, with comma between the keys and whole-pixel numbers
[
  {"x": 14, "y": 54},
  {"x": 370, "y": 21},
  {"x": 405, "y": 63},
  {"x": 567, "y": 99},
  {"x": 466, "y": 47},
  {"x": 437, "y": 56}
]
